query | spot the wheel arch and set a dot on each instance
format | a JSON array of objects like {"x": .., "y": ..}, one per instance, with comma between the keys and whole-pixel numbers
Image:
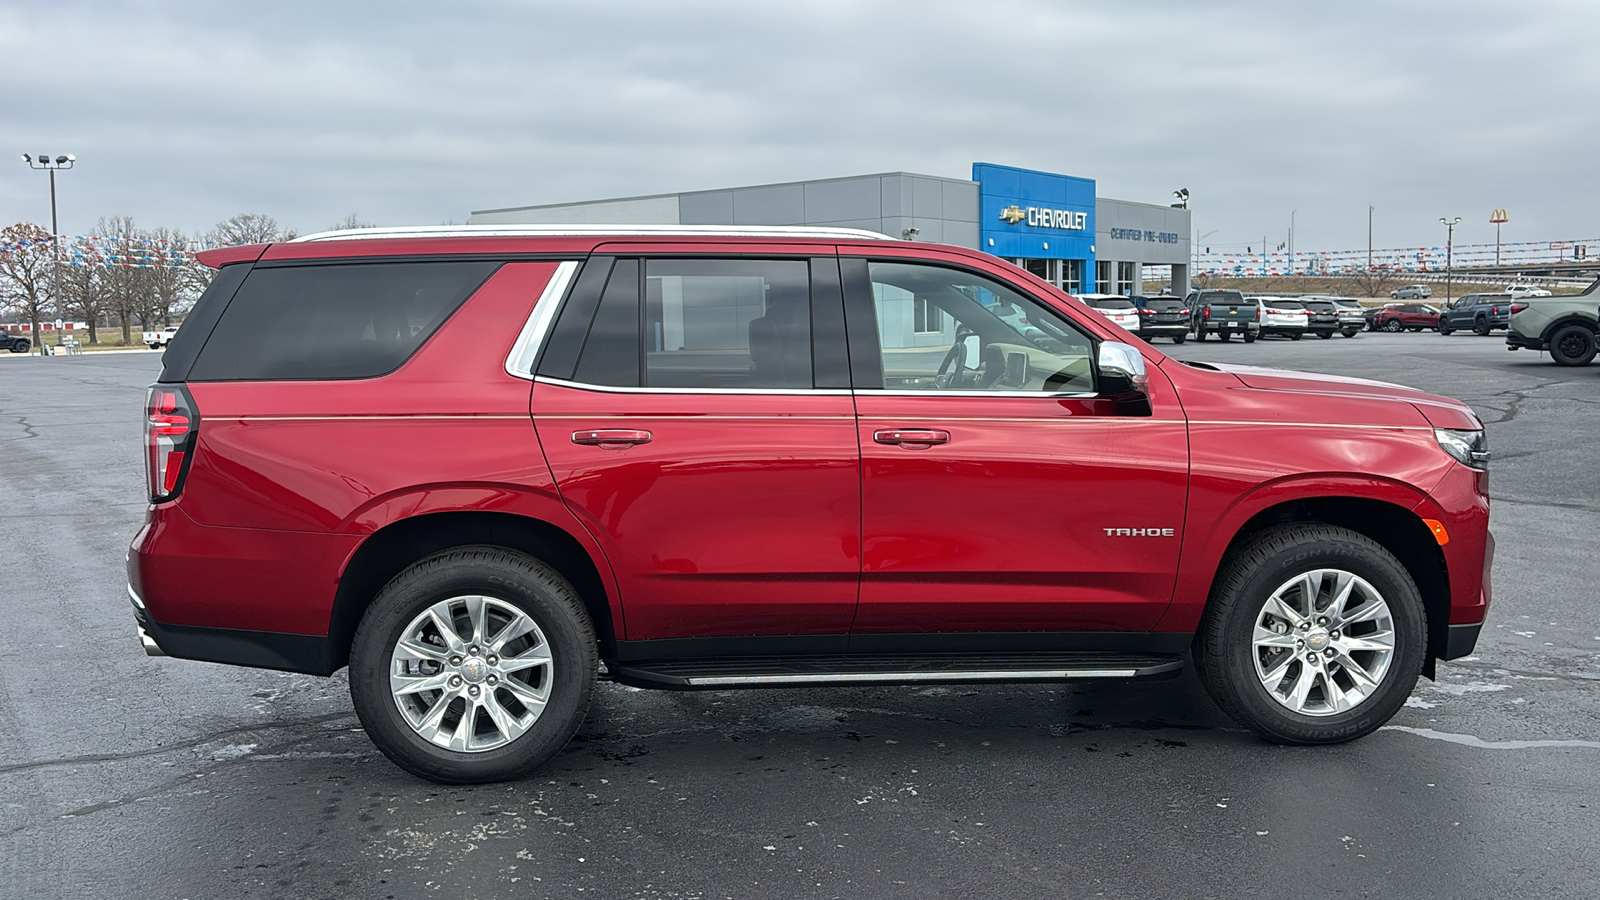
[
  {"x": 390, "y": 549},
  {"x": 1562, "y": 321},
  {"x": 1394, "y": 527}
]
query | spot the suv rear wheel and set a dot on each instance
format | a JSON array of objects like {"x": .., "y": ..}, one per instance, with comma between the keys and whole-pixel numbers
[
  {"x": 1572, "y": 345},
  {"x": 474, "y": 665},
  {"x": 1315, "y": 635}
]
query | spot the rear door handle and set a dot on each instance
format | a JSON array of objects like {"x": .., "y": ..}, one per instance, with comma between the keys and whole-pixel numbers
[
  {"x": 912, "y": 438},
  {"x": 611, "y": 438}
]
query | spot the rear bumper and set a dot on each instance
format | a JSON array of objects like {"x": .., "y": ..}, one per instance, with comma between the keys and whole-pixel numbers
[
  {"x": 1515, "y": 341},
  {"x": 1163, "y": 330},
  {"x": 307, "y": 654}
]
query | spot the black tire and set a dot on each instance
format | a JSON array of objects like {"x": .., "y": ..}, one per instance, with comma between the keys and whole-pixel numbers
[
  {"x": 1572, "y": 345},
  {"x": 1200, "y": 334},
  {"x": 1178, "y": 338},
  {"x": 1296, "y": 336},
  {"x": 1224, "y": 335},
  {"x": 1249, "y": 338},
  {"x": 1480, "y": 327},
  {"x": 1444, "y": 326},
  {"x": 1224, "y": 650},
  {"x": 1324, "y": 334},
  {"x": 516, "y": 579},
  {"x": 1414, "y": 328},
  {"x": 20, "y": 346},
  {"x": 1393, "y": 326},
  {"x": 1350, "y": 332}
]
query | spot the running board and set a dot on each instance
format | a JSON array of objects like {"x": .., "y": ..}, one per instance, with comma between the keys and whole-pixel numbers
[{"x": 825, "y": 671}]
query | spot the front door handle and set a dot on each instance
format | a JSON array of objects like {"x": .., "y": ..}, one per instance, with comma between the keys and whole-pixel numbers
[
  {"x": 912, "y": 438},
  {"x": 611, "y": 438}
]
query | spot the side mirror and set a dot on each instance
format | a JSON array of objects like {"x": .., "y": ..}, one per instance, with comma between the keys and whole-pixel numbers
[
  {"x": 1121, "y": 378},
  {"x": 1120, "y": 369}
]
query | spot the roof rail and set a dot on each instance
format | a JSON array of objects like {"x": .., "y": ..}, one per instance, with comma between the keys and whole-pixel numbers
[{"x": 437, "y": 231}]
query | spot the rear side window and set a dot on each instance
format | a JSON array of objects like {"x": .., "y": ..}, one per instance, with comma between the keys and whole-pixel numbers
[
  {"x": 333, "y": 321},
  {"x": 1224, "y": 298},
  {"x": 727, "y": 323}
]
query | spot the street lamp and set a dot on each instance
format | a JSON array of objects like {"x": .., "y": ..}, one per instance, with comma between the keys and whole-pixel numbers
[
  {"x": 1183, "y": 198},
  {"x": 43, "y": 161},
  {"x": 1449, "y": 242}
]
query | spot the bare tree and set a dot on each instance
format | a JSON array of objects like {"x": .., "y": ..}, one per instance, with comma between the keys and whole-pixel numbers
[
  {"x": 350, "y": 222},
  {"x": 170, "y": 284},
  {"x": 1374, "y": 282},
  {"x": 123, "y": 280},
  {"x": 25, "y": 272},
  {"x": 249, "y": 228},
  {"x": 84, "y": 295}
]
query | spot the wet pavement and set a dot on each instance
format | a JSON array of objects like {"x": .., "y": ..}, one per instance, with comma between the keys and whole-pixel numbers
[{"x": 122, "y": 775}]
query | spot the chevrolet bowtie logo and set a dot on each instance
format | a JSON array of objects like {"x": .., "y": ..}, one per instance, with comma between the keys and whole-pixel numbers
[{"x": 1011, "y": 215}]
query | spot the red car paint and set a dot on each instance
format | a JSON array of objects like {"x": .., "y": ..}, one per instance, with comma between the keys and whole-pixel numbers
[{"x": 757, "y": 514}]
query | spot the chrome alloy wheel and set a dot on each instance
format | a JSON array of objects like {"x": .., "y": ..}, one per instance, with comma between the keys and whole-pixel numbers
[
  {"x": 471, "y": 673},
  {"x": 1323, "y": 642}
]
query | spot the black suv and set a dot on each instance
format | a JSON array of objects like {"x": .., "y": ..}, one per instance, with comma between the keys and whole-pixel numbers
[
  {"x": 16, "y": 343},
  {"x": 1162, "y": 317}
]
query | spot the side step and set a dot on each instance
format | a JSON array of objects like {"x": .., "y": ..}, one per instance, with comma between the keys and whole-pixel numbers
[{"x": 823, "y": 671}]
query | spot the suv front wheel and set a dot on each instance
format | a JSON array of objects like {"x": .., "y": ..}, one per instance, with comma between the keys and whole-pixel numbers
[
  {"x": 1315, "y": 635},
  {"x": 474, "y": 665}
]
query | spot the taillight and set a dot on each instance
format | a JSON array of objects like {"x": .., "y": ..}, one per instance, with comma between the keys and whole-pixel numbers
[
  {"x": 1258, "y": 314},
  {"x": 1206, "y": 314},
  {"x": 1494, "y": 310},
  {"x": 1518, "y": 307},
  {"x": 1147, "y": 311},
  {"x": 170, "y": 422}
]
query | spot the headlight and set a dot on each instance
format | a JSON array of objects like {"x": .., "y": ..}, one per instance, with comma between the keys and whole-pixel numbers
[{"x": 1470, "y": 448}]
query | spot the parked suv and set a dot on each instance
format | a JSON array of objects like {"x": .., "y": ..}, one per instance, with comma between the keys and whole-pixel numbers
[
  {"x": 1566, "y": 326},
  {"x": 473, "y": 465},
  {"x": 1411, "y": 292},
  {"x": 1118, "y": 309},
  {"x": 1322, "y": 316},
  {"x": 1162, "y": 317},
  {"x": 1352, "y": 317},
  {"x": 1280, "y": 315},
  {"x": 1406, "y": 317},
  {"x": 1479, "y": 312},
  {"x": 15, "y": 343}
]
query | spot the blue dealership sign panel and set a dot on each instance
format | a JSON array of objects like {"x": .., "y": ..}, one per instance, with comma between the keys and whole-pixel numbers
[{"x": 1023, "y": 213}]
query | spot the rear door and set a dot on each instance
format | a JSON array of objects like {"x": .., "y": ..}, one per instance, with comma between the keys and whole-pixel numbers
[
  {"x": 1000, "y": 494},
  {"x": 697, "y": 416}
]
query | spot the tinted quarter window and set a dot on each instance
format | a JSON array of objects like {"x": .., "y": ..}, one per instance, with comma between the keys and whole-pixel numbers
[
  {"x": 725, "y": 323},
  {"x": 611, "y": 352},
  {"x": 333, "y": 321}
]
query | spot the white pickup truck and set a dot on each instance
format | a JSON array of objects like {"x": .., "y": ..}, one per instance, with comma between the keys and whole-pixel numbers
[{"x": 155, "y": 340}]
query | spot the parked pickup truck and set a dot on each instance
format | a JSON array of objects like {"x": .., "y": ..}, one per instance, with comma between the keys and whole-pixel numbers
[
  {"x": 1566, "y": 326},
  {"x": 1480, "y": 312},
  {"x": 1224, "y": 314},
  {"x": 155, "y": 340}
]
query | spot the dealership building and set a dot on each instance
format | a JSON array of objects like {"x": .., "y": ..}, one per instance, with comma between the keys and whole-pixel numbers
[{"x": 1052, "y": 225}]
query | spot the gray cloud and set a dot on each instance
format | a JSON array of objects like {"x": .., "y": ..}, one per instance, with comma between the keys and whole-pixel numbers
[{"x": 186, "y": 113}]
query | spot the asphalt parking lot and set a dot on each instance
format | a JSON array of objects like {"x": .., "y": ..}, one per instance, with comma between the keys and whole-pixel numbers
[{"x": 122, "y": 775}]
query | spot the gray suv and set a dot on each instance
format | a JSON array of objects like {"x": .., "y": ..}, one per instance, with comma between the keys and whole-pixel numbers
[{"x": 1411, "y": 292}]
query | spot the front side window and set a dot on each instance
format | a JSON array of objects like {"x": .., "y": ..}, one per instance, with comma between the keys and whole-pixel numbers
[{"x": 998, "y": 339}]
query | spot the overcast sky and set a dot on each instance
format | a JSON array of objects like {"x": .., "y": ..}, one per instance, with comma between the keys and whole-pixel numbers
[{"x": 185, "y": 113}]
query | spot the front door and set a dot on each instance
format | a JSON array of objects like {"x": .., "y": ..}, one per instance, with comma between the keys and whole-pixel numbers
[
  {"x": 999, "y": 494},
  {"x": 708, "y": 442}
]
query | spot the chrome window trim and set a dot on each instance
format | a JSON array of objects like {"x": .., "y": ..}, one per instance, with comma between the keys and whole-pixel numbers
[
  {"x": 766, "y": 392},
  {"x": 1062, "y": 395},
  {"x": 519, "y": 362},
  {"x": 439, "y": 231}
]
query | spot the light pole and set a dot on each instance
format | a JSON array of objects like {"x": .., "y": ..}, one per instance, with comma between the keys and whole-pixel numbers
[
  {"x": 1498, "y": 217},
  {"x": 43, "y": 161},
  {"x": 1291, "y": 240},
  {"x": 1449, "y": 243},
  {"x": 1369, "y": 240}
]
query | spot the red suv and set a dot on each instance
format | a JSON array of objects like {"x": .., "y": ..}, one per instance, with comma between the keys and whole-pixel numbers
[
  {"x": 484, "y": 468},
  {"x": 1406, "y": 317}
]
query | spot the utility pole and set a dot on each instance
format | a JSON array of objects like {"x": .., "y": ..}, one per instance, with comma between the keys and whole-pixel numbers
[
  {"x": 1449, "y": 244},
  {"x": 1369, "y": 240},
  {"x": 43, "y": 161},
  {"x": 1291, "y": 240}
]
